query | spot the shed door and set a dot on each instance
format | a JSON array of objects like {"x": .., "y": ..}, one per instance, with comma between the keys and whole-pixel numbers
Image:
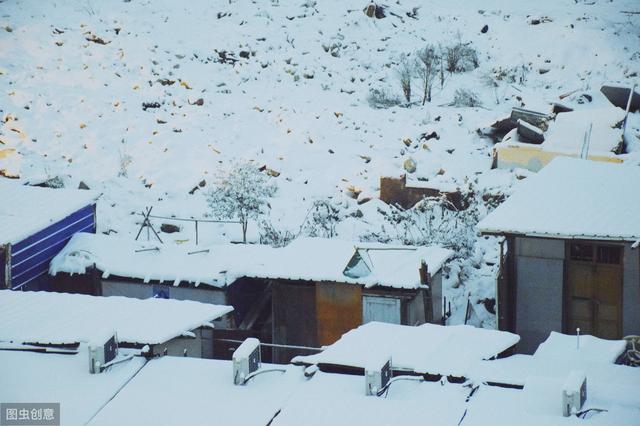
[
  {"x": 338, "y": 308},
  {"x": 383, "y": 309},
  {"x": 594, "y": 301}
]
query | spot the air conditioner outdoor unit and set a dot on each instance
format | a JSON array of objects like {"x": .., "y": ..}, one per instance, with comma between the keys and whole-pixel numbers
[
  {"x": 377, "y": 376},
  {"x": 574, "y": 393},
  {"x": 101, "y": 354},
  {"x": 246, "y": 360}
]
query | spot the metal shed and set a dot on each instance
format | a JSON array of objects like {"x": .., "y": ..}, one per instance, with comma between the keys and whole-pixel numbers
[{"x": 35, "y": 224}]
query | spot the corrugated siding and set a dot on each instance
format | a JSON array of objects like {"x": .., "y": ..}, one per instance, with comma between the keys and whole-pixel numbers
[
  {"x": 30, "y": 257},
  {"x": 2, "y": 267}
]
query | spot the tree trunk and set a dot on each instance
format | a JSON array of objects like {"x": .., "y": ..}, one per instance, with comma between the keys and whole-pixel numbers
[{"x": 244, "y": 231}]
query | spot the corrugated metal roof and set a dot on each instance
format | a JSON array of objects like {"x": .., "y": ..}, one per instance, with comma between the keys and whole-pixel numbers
[
  {"x": 25, "y": 210},
  {"x": 61, "y": 318}
]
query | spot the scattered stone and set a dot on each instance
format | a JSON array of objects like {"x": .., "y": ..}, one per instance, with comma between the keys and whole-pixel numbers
[
  {"x": 374, "y": 11},
  {"x": 83, "y": 185},
  {"x": 95, "y": 39},
  {"x": 407, "y": 142},
  {"x": 148, "y": 105},
  {"x": 543, "y": 70},
  {"x": 484, "y": 29},
  {"x": 433, "y": 135},
  {"x": 244, "y": 54},
  {"x": 165, "y": 81},
  {"x": 541, "y": 20},
  {"x": 410, "y": 165},
  {"x": 198, "y": 102},
  {"x": 169, "y": 228}
]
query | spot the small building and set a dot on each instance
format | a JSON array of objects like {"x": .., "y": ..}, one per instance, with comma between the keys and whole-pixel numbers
[
  {"x": 406, "y": 193},
  {"x": 104, "y": 265},
  {"x": 305, "y": 294},
  {"x": 320, "y": 288},
  {"x": 571, "y": 258},
  {"x": 533, "y": 139},
  {"x": 171, "y": 327},
  {"x": 35, "y": 224}
]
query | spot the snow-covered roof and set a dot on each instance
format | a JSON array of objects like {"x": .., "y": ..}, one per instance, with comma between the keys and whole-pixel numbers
[
  {"x": 25, "y": 210},
  {"x": 543, "y": 375},
  {"x": 172, "y": 390},
  {"x": 317, "y": 259},
  {"x": 323, "y": 259},
  {"x": 339, "y": 399},
  {"x": 191, "y": 391},
  {"x": 40, "y": 377},
  {"x": 572, "y": 198},
  {"x": 61, "y": 318},
  {"x": 152, "y": 260},
  {"x": 429, "y": 348},
  {"x": 567, "y": 133}
]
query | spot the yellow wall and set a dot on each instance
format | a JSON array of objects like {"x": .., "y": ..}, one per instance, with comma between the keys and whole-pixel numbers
[{"x": 534, "y": 158}]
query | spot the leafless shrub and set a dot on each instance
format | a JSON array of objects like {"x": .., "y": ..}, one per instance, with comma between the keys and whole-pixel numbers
[
  {"x": 427, "y": 61},
  {"x": 405, "y": 72},
  {"x": 466, "y": 98},
  {"x": 380, "y": 99},
  {"x": 461, "y": 57}
]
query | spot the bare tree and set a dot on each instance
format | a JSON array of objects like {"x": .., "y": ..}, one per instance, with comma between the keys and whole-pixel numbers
[
  {"x": 405, "y": 72},
  {"x": 427, "y": 67}
]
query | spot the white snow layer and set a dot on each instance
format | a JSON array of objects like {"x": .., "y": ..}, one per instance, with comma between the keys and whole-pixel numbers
[
  {"x": 316, "y": 259},
  {"x": 25, "y": 210},
  {"x": 190, "y": 391},
  {"x": 572, "y": 198},
  {"x": 39, "y": 377},
  {"x": 429, "y": 348},
  {"x": 61, "y": 318}
]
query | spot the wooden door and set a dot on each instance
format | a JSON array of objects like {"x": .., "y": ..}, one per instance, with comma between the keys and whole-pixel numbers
[{"x": 594, "y": 290}]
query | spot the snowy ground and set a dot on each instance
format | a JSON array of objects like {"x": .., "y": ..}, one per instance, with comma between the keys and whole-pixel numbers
[{"x": 74, "y": 76}]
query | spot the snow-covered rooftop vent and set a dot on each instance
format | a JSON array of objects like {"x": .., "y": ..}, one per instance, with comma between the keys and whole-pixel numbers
[
  {"x": 101, "y": 354},
  {"x": 377, "y": 375},
  {"x": 574, "y": 393},
  {"x": 246, "y": 360}
]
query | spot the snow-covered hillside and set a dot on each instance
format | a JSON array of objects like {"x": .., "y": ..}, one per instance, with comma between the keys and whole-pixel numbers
[{"x": 144, "y": 100}]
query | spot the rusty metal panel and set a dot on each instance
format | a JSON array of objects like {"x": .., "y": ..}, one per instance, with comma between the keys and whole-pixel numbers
[
  {"x": 294, "y": 317},
  {"x": 339, "y": 309}
]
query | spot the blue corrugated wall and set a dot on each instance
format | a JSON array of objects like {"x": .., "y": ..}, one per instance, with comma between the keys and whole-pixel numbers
[{"x": 30, "y": 257}]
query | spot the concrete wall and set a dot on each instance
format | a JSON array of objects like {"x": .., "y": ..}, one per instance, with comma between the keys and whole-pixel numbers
[
  {"x": 436, "y": 297},
  {"x": 199, "y": 347},
  {"x": 539, "y": 268},
  {"x": 631, "y": 291},
  {"x": 415, "y": 309},
  {"x": 140, "y": 290}
]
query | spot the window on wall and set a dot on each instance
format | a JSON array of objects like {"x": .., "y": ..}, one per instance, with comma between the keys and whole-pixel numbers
[
  {"x": 581, "y": 251},
  {"x": 609, "y": 254},
  {"x": 382, "y": 309}
]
